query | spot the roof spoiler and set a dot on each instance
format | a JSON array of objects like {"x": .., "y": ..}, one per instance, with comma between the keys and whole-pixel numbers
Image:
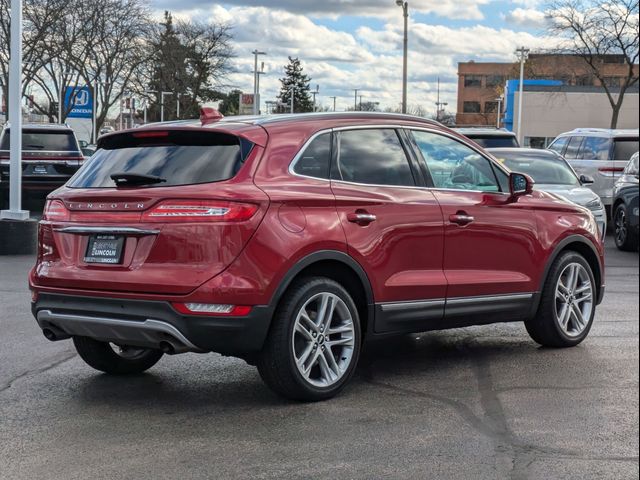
[{"x": 209, "y": 115}]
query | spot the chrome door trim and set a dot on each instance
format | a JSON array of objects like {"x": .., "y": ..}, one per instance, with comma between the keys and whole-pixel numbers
[
  {"x": 411, "y": 305},
  {"x": 488, "y": 298}
]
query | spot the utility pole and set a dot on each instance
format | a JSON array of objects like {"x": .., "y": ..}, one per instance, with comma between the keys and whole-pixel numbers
[
  {"x": 162, "y": 94},
  {"x": 146, "y": 103},
  {"x": 355, "y": 102},
  {"x": 334, "y": 103},
  {"x": 405, "y": 12},
  {"x": 314, "y": 93},
  {"x": 256, "y": 82},
  {"x": 14, "y": 107},
  {"x": 523, "y": 55}
]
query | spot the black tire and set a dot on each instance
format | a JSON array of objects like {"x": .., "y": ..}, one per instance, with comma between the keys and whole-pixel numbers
[
  {"x": 545, "y": 328},
  {"x": 103, "y": 357},
  {"x": 277, "y": 362},
  {"x": 623, "y": 236}
]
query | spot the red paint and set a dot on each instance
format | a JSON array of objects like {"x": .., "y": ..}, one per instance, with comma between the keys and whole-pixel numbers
[{"x": 414, "y": 247}]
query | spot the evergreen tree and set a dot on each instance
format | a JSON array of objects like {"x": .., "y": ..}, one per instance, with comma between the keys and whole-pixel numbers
[{"x": 294, "y": 77}]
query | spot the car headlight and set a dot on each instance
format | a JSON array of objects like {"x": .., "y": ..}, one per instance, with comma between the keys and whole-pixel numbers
[
  {"x": 595, "y": 204},
  {"x": 636, "y": 211}
]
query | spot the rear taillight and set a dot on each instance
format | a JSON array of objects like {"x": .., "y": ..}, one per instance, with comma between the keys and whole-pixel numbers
[
  {"x": 200, "y": 211},
  {"x": 55, "y": 211},
  {"x": 611, "y": 171},
  {"x": 212, "y": 309}
]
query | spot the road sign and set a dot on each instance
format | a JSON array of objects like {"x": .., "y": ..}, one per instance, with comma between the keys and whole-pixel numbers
[
  {"x": 78, "y": 102},
  {"x": 246, "y": 104}
]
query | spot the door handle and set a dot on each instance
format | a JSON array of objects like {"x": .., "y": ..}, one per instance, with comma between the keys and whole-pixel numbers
[
  {"x": 361, "y": 218},
  {"x": 461, "y": 218}
]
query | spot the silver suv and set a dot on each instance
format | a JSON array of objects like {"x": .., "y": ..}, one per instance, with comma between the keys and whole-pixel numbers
[{"x": 599, "y": 153}]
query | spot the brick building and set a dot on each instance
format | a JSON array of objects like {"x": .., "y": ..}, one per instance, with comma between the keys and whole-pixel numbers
[{"x": 481, "y": 84}]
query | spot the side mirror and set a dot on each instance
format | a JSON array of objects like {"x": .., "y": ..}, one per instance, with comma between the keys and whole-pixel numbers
[
  {"x": 587, "y": 180},
  {"x": 520, "y": 184}
]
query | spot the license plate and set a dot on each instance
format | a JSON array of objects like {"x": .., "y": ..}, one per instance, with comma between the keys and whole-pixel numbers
[
  {"x": 40, "y": 170},
  {"x": 104, "y": 249}
]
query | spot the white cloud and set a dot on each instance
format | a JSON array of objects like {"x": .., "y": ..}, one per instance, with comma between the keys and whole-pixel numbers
[
  {"x": 526, "y": 17},
  {"x": 454, "y": 9},
  {"x": 369, "y": 59}
]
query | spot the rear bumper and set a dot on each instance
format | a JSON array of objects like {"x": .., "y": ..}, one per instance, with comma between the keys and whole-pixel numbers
[{"x": 149, "y": 324}]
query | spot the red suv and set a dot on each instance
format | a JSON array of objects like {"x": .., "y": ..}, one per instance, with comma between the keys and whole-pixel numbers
[{"x": 287, "y": 241}]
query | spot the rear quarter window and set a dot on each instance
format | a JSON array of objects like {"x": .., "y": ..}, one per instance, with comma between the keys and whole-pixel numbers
[{"x": 179, "y": 158}]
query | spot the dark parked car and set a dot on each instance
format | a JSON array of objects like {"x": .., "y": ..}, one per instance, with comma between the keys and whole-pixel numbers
[
  {"x": 490, "y": 137},
  {"x": 625, "y": 207},
  {"x": 288, "y": 241},
  {"x": 50, "y": 156}
]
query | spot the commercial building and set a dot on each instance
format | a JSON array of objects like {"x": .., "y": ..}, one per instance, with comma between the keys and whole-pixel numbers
[
  {"x": 549, "y": 109},
  {"x": 480, "y": 85}
]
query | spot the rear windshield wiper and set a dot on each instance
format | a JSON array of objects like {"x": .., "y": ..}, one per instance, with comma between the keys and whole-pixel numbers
[{"x": 123, "y": 179}]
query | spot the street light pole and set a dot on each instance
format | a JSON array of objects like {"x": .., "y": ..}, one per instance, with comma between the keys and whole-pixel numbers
[
  {"x": 256, "y": 81},
  {"x": 15, "y": 211},
  {"x": 334, "y": 103},
  {"x": 314, "y": 93},
  {"x": 523, "y": 55},
  {"x": 499, "y": 100},
  {"x": 293, "y": 92},
  {"x": 405, "y": 11},
  {"x": 355, "y": 101},
  {"x": 162, "y": 94}
]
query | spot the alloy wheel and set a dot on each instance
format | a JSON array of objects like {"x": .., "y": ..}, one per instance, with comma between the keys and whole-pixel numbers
[
  {"x": 323, "y": 339},
  {"x": 621, "y": 227},
  {"x": 574, "y": 299}
]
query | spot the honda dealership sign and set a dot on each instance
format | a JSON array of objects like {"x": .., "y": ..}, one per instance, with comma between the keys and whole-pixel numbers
[{"x": 78, "y": 102}]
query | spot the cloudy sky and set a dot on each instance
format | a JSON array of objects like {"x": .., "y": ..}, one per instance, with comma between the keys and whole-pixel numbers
[{"x": 348, "y": 44}]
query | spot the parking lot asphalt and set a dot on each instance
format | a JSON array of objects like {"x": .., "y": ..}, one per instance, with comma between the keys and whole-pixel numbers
[{"x": 481, "y": 402}]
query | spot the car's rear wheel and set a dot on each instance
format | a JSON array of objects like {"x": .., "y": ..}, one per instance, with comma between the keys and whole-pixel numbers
[
  {"x": 568, "y": 303},
  {"x": 625, "y": 240},
  {"x": 314, "y": 343},
  {"x": 115, "y": 359}
]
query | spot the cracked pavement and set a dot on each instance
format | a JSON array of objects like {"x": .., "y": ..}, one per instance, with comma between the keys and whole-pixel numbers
[{"x": 481, "y": 402}]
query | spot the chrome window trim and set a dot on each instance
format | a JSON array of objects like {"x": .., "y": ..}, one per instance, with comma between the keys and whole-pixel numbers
[
  {"x": 398, "y": 127},
  {"x": 411, "y": 305}
]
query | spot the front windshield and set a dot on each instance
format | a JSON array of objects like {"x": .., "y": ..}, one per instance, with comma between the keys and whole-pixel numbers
[{"x": 543, "y": 170}]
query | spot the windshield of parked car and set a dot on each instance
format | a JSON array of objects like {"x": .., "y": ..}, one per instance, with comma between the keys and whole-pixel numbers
[
  {"x": 548, "y": 170},
  {"x": 45, "y": 141},
  {"x": 495, "y": 141},
  {"x": 625, "y": 148}
]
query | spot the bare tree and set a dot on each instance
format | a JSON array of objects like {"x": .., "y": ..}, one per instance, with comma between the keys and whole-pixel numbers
[{"x": 591, "y": 29}]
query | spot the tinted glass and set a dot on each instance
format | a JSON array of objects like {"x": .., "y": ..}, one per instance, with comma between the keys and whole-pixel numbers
[
  {"x": 543, "y": 169},
  {"x": 624, "y": 148},
  {"x": 373, "y": 157},
  {"x": 558, "y": 145},
  {"x": 38, "y": 140},
  {"x": 453, "y": 165},
  {"x": 573, "y": 148},
  {"x": 316, "y": 158},
  {"x": 180, "y": 159},
  {"x": 496, "y": 141},
  {"x": 595, "y": 148}
]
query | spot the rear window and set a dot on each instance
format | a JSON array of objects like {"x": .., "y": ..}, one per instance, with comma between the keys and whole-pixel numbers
[
  {"x": 179, "y": 158},
  {"x": 625, "y": 148},
  {"x": 45, "y": 141},
  {"x": 496, "y": 141}
]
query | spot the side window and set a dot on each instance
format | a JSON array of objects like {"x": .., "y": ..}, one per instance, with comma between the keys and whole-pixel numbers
[
  {"x": 453, "y": 165},
  {"x": 559, "y": 144},
  {"x": 316, "y": 158},
  {"x": 595, "y": 148},
  {"x": 573, "y": 148},
  {"x": 374, "y": 157}
]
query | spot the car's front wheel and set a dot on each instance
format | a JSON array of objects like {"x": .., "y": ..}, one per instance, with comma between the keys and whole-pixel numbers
[
  {"x": 115, "y": 359},
  {"x": 625, "y": 240},
  {"x": 568, "y": 303},
  {"x": 314, "y": 343}
]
